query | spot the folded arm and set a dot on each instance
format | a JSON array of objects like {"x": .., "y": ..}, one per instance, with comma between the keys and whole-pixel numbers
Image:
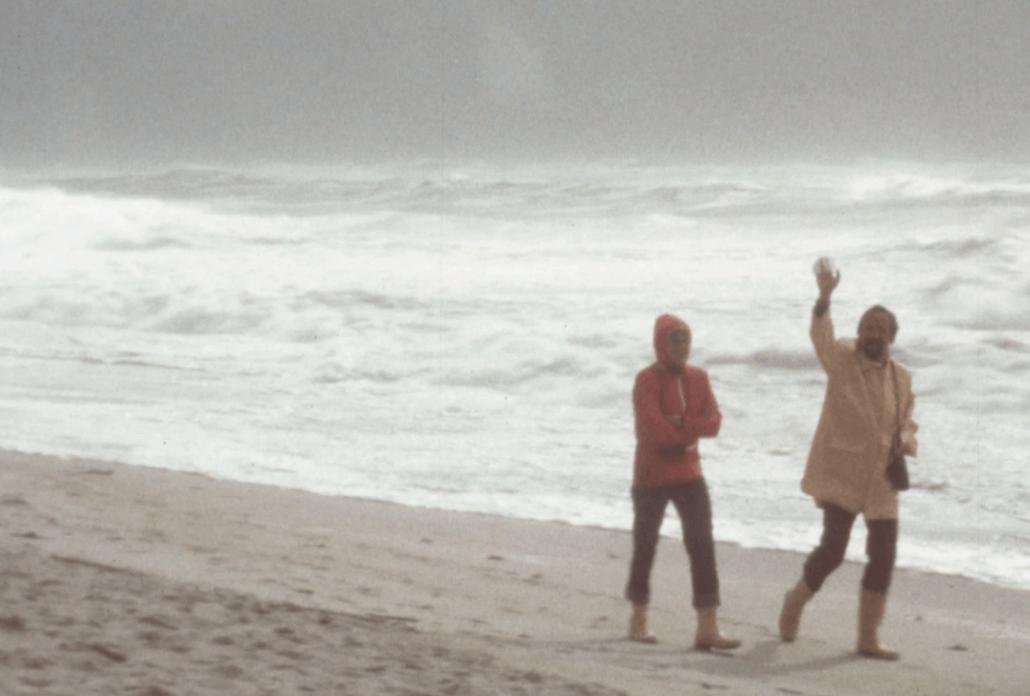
[
  {"x": 709, "y": 421},
  {"x": 653, "y": 426}
]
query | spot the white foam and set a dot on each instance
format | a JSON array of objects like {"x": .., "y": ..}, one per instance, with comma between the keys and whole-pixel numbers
[{"x": 468, "y": 339}]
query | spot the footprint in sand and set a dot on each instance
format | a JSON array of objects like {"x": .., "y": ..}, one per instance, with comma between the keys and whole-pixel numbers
[
  {"x": 450, "y": 687},
  {"x": 159, "y": 621},
  {"x": 36, "y": 682},
  {"x": 154, "y": 691},
  {"x": 207, "y": 611},
  {"x": 229, "y": 671},
  {"x": 112, "y": 654},
  {"x": 12, "y": 622},
  {"x": 13, "y": 501},
  {"x": 36, "y": 663},
  {"x": 151, "y": 537},
  {"x": 533, "y": 677},
  {"x": 150, "y": 638},
  {"x": 287, "y": 632}
]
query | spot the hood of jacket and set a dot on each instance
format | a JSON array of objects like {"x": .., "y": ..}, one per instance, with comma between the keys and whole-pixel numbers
[{"x": 664, "y": 326}]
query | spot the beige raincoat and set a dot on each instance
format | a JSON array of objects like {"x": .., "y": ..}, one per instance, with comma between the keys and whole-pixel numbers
[{"x": 848, "y": 460}]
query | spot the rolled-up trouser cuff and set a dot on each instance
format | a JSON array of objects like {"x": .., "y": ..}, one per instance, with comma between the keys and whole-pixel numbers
[
  {"x": 637, "y": 597},
  {"x": 706, "y": 601}
]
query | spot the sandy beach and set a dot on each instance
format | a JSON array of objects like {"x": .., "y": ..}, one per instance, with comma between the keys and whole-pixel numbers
[{"x": 119, "y": 579}]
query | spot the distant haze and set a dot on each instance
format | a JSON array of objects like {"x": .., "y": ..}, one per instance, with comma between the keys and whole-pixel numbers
[{"x": 159, "y": 82}]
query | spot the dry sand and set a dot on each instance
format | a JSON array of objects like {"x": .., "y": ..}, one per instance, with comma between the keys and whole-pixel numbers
[{"x": 127, "y": 580}]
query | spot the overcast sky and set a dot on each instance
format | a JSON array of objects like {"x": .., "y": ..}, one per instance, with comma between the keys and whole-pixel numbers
[{"x": 157, "y": 81}]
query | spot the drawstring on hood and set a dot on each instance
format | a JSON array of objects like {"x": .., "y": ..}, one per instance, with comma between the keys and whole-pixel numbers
[{"x": 665, "y": 326}]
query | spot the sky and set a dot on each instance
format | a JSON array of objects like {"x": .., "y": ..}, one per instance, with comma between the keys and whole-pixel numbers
[{"x": 234, "y": 81}]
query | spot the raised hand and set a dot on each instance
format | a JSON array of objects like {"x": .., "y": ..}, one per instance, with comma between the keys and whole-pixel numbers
[{"x": 826, "y": 277}]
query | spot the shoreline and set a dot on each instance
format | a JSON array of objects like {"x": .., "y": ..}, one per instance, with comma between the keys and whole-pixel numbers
[
  {"x": 101, "y": 558},
  {"x": 670, "y": 530}
]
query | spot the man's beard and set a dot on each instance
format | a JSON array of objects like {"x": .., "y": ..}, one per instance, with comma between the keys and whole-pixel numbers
[{"x": 874, "y": 348}]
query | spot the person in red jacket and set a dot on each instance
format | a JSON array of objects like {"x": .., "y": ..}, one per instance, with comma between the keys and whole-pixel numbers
[{"x": 673, "y": 406}]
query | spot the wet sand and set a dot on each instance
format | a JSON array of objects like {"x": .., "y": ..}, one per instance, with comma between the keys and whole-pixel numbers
[{"x": 119, "y": 579}]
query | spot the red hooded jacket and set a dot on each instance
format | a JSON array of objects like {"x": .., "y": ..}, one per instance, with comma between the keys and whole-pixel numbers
[{"x": 667, "y": 453}]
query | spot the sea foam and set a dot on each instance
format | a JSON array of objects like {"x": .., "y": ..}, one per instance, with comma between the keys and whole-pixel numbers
[{"x": 468, "y": 338}]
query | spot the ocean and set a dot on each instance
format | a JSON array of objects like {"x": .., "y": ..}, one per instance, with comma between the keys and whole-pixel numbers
[{"x": 466, "y": 337}]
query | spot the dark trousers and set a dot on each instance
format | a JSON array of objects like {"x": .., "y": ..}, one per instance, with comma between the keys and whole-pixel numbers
[
  {"x": 695, "y": 511},
  {"x": 881, "y": 548}
]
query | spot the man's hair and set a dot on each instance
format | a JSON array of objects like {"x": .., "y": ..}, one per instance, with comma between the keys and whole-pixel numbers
[{"x": 890, "y": 315}]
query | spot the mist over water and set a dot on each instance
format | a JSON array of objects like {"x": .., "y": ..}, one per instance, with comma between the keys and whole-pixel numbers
[
  {"x": 172, "y": 81},
  {"x": 467, "y": 337}
]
